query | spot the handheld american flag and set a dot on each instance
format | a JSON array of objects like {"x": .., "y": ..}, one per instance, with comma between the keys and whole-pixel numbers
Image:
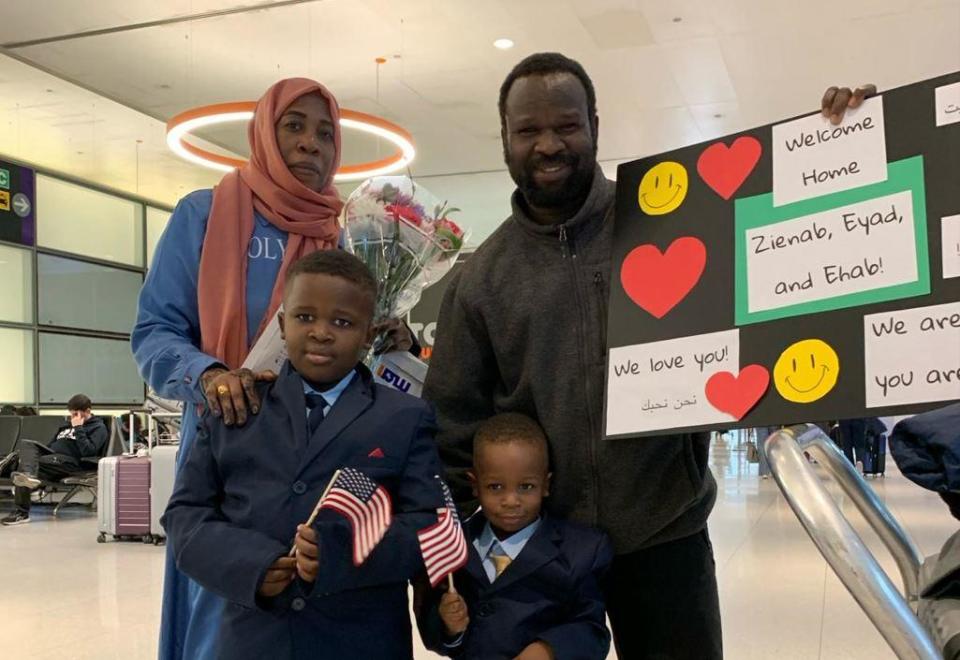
[
  {"x": 443, "y": 544},
  {"x": 365, "y": 504}
]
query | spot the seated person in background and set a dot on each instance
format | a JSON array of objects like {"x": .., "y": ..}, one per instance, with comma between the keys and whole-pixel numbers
[
  {"x": 244, "y": 492},
  {"x": 531, "y": 586},
  {"x": 84, "y": 437}
]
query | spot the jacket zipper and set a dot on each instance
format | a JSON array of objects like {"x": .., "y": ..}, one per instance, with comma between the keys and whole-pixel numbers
[
  {"x": 564, "y": 245},
  {"x": 567, "y": 248},
  {"x": 598, "y": 285}
]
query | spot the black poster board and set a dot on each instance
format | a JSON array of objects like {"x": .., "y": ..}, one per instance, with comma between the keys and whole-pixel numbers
[
  {"x": 423, "y": 317},
  {"x": 789, "y": 285}
]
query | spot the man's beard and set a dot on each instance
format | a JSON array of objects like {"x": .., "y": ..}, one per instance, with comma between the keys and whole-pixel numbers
[{"x": 559, "y": 195}]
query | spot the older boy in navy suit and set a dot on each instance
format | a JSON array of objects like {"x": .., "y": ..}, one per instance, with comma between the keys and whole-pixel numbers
[
  {"x": 243, "y": 491},
  {"x": 531, "y": 586}
]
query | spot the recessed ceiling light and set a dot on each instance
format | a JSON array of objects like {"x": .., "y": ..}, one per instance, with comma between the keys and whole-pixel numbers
[{"x": 503, "y": 44}]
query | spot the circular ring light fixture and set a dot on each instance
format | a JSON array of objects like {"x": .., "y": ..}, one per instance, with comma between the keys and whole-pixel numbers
[{"x": 222, "y": 113}]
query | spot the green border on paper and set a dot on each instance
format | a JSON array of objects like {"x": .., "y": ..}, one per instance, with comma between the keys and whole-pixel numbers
[{"x": 759, "y": 211}]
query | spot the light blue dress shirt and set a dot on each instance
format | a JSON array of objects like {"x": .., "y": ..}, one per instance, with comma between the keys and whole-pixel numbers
[
  {"x": 329, "y": 396},
  {"x": 511, "y": 546}
]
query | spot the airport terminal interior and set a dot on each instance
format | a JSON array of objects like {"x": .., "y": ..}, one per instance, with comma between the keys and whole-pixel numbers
[{"x": 114, "y": 111}]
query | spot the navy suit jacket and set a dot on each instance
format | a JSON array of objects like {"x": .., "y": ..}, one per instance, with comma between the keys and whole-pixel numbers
[
  {"x": 242, "y": 491},
  {"x": 550, "y": 592}
]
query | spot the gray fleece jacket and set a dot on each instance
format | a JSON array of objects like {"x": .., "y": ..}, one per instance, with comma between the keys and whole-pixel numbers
[{"x": 522, "y": 328}]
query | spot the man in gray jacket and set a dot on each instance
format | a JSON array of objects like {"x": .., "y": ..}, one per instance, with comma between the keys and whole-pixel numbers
[{"x": 522, "y": 329}]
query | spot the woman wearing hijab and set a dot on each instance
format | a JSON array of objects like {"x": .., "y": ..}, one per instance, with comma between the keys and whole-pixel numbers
[{"x": 215, "y": 283}]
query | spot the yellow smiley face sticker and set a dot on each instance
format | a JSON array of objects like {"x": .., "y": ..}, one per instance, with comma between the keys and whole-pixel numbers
[
  {"x": 663, "y": 188},
  {"x": 806, "y": 371}
]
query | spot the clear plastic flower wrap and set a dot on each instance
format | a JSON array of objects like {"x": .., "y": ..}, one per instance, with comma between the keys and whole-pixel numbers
[{"x": 405, "y": 235}]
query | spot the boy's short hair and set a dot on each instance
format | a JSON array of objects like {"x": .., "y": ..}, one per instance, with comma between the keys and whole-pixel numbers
[
  {"x": 510, "y": 427},
  {"x": 336, "y": 263},
  {"x": 79, "y": 402}
]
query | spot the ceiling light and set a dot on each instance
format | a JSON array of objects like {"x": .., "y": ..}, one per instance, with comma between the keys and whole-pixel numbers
[
  {"x": 503, "y": 44},
  {"x": 221, "y": 113}
]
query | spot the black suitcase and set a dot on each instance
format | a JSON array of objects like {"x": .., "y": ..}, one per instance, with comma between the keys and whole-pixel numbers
[{"x": 875, "y": 460}]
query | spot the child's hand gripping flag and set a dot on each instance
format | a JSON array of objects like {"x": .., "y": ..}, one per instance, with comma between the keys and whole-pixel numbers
[{"x": 443, "y": 544}]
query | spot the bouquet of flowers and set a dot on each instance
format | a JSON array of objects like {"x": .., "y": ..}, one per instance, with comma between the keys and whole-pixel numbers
[{"x": 405, "y": 235}]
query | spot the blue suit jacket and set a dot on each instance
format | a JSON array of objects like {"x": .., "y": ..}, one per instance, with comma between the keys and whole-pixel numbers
[
  {"x": 241, "y": 492},
  {"x": 550, "y": 592}
]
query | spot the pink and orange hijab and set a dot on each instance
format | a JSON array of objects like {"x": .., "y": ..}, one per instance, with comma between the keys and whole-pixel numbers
[{"x": 266, "y": 185}]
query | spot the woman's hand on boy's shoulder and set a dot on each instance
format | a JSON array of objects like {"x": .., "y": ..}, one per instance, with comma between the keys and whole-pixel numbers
[{"x": 231, "y": 393}]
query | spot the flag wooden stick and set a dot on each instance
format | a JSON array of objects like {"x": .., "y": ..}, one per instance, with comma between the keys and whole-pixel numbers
[
  {"x": 316, "y": 510},
  {"x": 452, "y": 589}
]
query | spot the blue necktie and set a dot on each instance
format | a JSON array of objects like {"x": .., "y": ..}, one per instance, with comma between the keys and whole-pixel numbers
[{"x": 315, "y": 404}]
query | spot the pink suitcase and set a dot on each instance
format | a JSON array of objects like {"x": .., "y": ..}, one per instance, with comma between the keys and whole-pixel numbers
[{"x": 123, "y": 506}]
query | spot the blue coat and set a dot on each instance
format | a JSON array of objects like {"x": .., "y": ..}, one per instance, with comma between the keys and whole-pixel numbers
[
  {"x": 550, "y": 592},
  {"x": 242, "y": 491},
  {"x": 166, "y": 347}
]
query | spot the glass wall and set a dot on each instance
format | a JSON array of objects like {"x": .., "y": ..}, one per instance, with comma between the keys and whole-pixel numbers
[
  {"x": 16, "y": 279},
  {"x": 78, "y": 294},
  {"x": 156, "y": 222},
  {"x": 69, "y": 302},
  {"x": 71, "y": 218},
  {"x": 16, "y": 356},
  {"x": 103, "y": 369}
]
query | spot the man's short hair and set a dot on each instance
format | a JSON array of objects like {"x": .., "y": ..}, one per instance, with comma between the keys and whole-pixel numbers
[
  {"x": 79, "y": 402},
  {"x": 336, "y": 263},
  {"x": 510, "y": 427},
  {"x": 544, "y": 64}
]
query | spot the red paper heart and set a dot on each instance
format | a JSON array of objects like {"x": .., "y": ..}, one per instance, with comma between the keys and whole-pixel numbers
[
  {"x": 737, "y": 395},
  {"x": 725, "y": 168},
  {"x": 657, "y": 281}
]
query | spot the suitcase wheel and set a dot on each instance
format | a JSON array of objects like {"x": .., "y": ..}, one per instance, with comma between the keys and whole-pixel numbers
[
  {"x": 147, "y": 538},
  {"x": 101, "y": 538}
]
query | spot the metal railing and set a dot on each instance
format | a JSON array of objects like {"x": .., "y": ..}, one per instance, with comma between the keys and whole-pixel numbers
[{"x": 839, "y": 543}]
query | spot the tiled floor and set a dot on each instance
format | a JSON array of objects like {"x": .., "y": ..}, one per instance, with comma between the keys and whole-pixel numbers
[{"x": 65, "y": 596}]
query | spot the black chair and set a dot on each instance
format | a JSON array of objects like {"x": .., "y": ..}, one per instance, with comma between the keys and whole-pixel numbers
[
  {"x": 41, "y": 428},
  {"x": 9, "y": 433},
  {"x": 9, "y": 437}
]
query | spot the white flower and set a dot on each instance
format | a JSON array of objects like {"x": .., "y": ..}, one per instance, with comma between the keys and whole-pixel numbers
[{"x": 363, "y": 206}]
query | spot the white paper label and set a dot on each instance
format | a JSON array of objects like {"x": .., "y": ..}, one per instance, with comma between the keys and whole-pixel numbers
[
  {"x": 860, "y": 247},
  {"x": 912, "y": 355},
  {"x": 948, "y": 104},
  {"x": 950, "y": 235},
  {"x": 812, "y": 157},
  {"x": 660, "y": 385}
]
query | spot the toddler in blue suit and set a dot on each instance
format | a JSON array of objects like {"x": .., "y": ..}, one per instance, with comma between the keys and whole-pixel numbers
[
  {"x": 243, "y": 492},
  {"x": 531, "y": 586}
]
